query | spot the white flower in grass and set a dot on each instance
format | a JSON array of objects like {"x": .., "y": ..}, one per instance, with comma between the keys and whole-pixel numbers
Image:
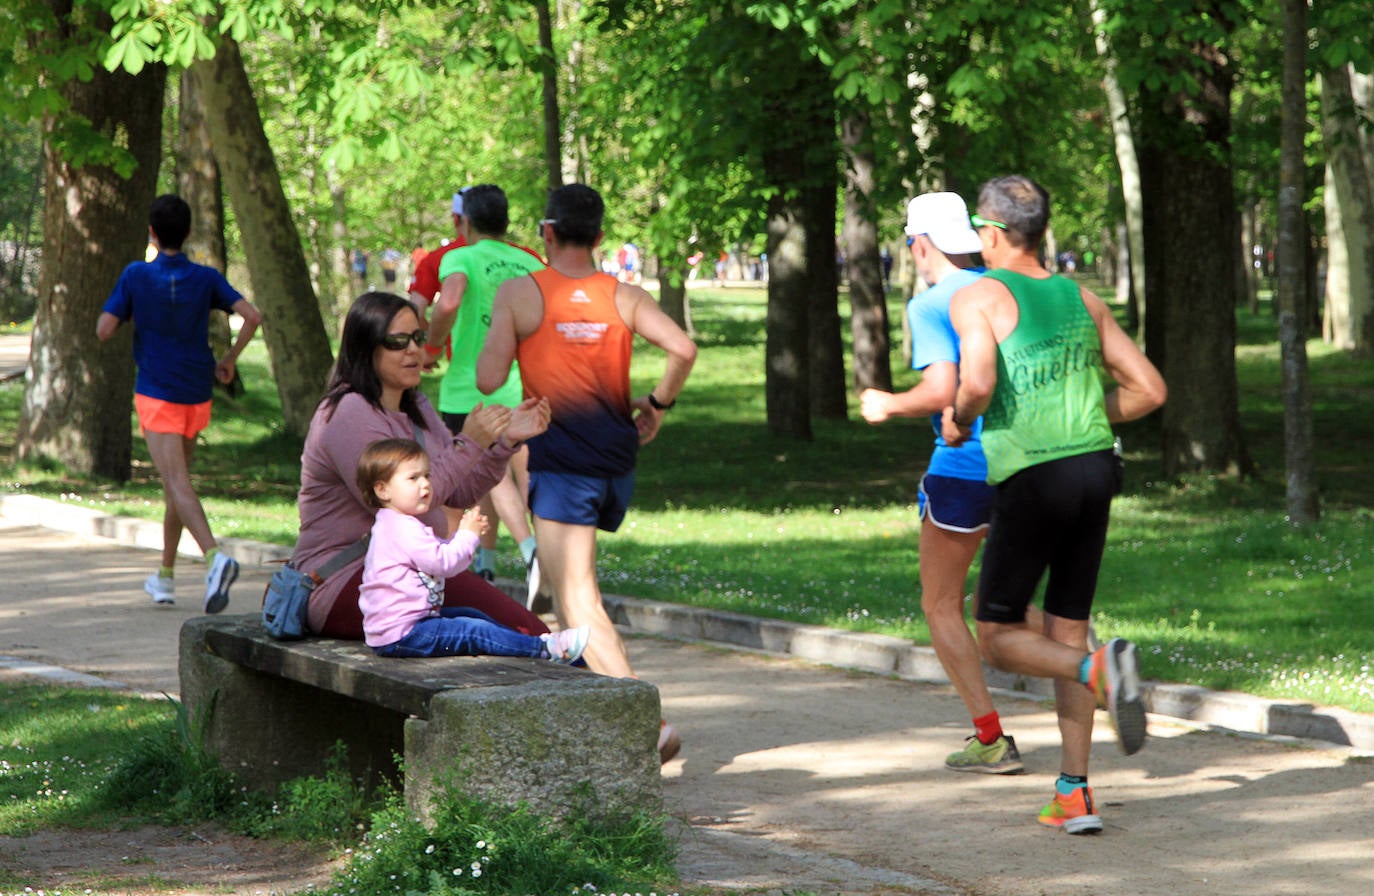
[{"x": 429, "y": 850}]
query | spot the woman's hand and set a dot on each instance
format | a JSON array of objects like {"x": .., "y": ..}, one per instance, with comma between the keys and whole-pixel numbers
[
  {"x": 485, "y": 424},
  {"x": 529, "y": 419}
]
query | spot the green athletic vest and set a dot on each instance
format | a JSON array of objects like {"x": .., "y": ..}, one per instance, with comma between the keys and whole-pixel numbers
[
  {"x": 1048, "y": 400},
  {"x": 487, "y": 264}
]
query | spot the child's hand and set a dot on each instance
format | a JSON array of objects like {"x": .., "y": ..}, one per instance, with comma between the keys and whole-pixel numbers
[{"x": 473, "y": 521}]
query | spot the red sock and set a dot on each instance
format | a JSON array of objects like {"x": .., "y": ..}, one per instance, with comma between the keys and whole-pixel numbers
[{"x": 989, "y": 728}]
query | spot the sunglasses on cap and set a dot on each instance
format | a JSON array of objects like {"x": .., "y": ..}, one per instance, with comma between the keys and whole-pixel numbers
[{"x": 397, "y": 342}]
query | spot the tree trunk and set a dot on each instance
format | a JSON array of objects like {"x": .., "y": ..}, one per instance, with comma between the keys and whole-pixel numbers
[
  {"x": 1190, "y": 329},
  {"x": 1128, "y": 162},
  {"x": 78, "y": 392},
  {"x": 829, "y": 393},
  {"x": 1250, "y": 239},
  {"x": 1362, "y": 92},
  {"x": 1310, "y": 309},
  {"x": 1349, "y": 200},
  {"x": 548, "y": 70},
  {"x": 1240, "y": 259},
  {"x": 341, "y": 274},
  {"x": 17, "y": 289},
  {"x": 198, "y": 182},
  {"x": 294, "y": 330},
  {"x": 1122, "y": 265},
  {"x": 868, "y": 323},
  {"x": 673, "y": 299},
  {"x": 787, "y": 380},
  {"x": 1299, "y": 466},
  {"x": 803, "y": 351}
]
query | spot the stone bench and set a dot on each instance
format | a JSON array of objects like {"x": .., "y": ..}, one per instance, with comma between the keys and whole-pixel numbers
[{"x": 506, "y": 729}]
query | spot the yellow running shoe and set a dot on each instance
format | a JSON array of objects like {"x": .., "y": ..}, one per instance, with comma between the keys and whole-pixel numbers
[
  {"x": 997, "y": 758},
  {"x": 1073, "y": 814}
]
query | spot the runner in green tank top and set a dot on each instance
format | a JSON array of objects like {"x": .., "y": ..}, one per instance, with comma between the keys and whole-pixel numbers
[
  {"x": 1031, "y": 347},
  {"x": 1048, "y": 403},
  {"x": 485, "y": 265},
  {"x": 469, "y": 277}
]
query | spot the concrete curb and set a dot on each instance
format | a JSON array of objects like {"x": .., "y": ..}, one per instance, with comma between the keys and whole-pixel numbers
[
  {"x": 88, "y": 522},
  {"x": 879, "y": 654}
]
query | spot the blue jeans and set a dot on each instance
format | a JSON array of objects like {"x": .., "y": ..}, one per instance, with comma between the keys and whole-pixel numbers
[{"x": 462, "y": 631}]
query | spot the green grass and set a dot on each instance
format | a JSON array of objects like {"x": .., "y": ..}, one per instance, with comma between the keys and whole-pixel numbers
[
  {"x": 1204, "y": 572},
  {"x": 471, "y": 848},
  {"x": 54, "y": 753},
  {"x": 98, "y": 759}
]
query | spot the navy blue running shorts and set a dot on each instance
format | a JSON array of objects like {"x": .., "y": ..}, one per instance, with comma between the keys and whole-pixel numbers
[
  {"x": 956, "y": 505},
  {"x": 599, "y": 501}
]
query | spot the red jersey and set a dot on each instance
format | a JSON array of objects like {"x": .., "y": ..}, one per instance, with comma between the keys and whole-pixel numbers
[{"x": 426, "y": 278}]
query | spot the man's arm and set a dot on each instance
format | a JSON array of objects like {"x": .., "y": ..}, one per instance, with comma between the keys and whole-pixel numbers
[
  {"x": 106, "y": 325},
  {"x": 968, "y": 312},
  {"x": 648, "y": 320},
  {"x": 451, "y": 292},
  {"x": 252, "y": 318},
  {"x": 421, "y": 302},
  {"x": 498, "y": 352},
  {"x": 931, "y": 395},
  {"x": 424, "y": 283},
  {"x": 1139, "y": 388}
]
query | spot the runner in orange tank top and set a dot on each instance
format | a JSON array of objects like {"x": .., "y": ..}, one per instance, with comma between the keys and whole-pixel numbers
[
  {"x": 572, "y": 329},
  {"x": 579, "y": 359}
]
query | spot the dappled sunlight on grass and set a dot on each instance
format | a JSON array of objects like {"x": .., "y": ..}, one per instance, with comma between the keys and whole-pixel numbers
[
  {"x": 827, "y": 567},
  {"x": 47, "y": 767},
  {"x": 1246, "y": 602}
]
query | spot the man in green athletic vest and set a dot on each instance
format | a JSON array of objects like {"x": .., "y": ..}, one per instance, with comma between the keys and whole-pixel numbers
[
  {"x": 1033, "y": 348},
  {"x": 469, "y": 277}
]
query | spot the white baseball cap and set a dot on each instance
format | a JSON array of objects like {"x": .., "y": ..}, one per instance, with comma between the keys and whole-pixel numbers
[{"x": 944, "y": 218}]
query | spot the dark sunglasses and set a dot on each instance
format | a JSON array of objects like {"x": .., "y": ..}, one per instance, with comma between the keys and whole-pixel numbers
[{"x": 397, "y": 342}]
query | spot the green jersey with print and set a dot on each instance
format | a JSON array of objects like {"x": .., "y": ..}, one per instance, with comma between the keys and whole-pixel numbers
[
  {"x": 487, "y": 264},
  {"x": 1048, "y": 401}
]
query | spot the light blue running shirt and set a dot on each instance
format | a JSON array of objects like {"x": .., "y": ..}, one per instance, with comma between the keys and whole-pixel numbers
[{"x": 934, "y": 339}]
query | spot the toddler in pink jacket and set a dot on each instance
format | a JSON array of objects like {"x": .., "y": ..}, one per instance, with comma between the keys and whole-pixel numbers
[{"x": 403, "y": 576}]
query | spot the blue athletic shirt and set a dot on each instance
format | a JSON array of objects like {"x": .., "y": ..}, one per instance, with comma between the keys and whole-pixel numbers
[
  {"x": 169, "y": 300},
  {"x": 933, "y": 339}
]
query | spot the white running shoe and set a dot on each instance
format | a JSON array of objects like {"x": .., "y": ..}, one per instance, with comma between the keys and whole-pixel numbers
[
  {"x": 223, "y": 571},
  {"x": 161, "y": 589},
  {"x": 566, "y": 645},
  {"x": 532, "y": 582}
]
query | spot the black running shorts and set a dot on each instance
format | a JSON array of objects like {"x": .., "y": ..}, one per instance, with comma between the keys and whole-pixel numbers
[{"x": 1050, "y": 516}]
